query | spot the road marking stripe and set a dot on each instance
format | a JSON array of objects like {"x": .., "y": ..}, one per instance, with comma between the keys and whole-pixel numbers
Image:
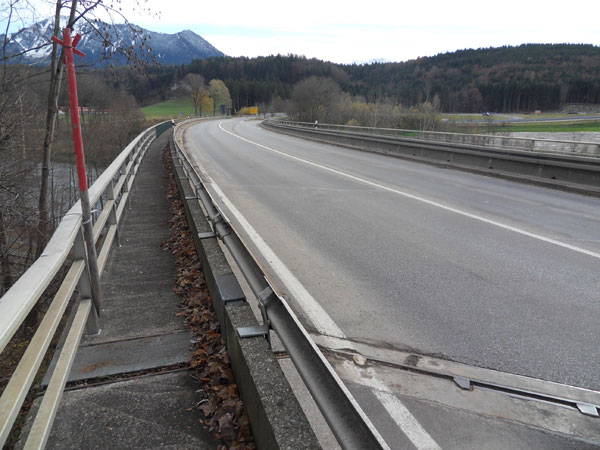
[
  {"x": 424, "y": 200},
  {"x": 318, "y": 316},
  {"x": 401, "y": 415},
  {"x": 407, "y": 422}
]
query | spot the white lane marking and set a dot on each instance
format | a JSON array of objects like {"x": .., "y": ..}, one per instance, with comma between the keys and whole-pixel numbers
[
  {"x": 326, "y": 325},
  {"x": 401, "y": 415},
  {"x": 315, "y": 312},
  {"x": 318, "y": 316},
  {"x": 407, "y": 422},
  {"x": 424, "y": 200}
]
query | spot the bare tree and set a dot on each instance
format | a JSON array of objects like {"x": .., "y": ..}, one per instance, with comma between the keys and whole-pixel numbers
[
  {"x": 78, "y": 10},
  {"x": 25, "y": 199},
  {"x": 428, "y": 114},
  {"x": 197, "y": 87},
  {"x": 17, "y": 179},
  {"x": 56, "y": 72},
  {"x": 317, "y": 98},
  {"x": 16, "y": 168}
]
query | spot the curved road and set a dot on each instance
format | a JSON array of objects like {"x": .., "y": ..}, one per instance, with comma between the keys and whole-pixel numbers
[{"x": 410, "y": 256}]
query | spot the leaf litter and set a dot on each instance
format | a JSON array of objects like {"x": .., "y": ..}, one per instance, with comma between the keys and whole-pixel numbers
[{"x": 223, "y": 410}]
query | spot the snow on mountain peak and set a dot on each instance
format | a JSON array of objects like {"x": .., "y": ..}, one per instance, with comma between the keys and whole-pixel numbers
[{"x": 178, "y": 48}]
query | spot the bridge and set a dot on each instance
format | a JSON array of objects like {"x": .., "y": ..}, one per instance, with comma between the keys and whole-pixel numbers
[{"x": 374, "y": 290}]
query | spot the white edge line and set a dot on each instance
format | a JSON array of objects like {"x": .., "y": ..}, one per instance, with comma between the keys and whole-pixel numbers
[
  {"x": 424, "y": 200},
  {"x": 320, "y": 318},
  {"x": 401, "y": 415}
]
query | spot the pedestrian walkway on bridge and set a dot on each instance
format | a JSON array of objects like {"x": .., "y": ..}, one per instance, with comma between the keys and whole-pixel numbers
[{"x": 139, "y": 392}]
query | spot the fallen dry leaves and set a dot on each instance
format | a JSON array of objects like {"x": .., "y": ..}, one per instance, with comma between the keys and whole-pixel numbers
[{"x": 222, "y": 408}]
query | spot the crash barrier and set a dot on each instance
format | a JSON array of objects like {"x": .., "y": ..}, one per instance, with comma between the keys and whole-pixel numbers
[
  {"x": 65, "y": 250},
  {"x": 349, "y": 424},
  {"x": 575, "y": 173},
  {"x": 162, "y": 127},
  {"x": 528, "y": 144}
]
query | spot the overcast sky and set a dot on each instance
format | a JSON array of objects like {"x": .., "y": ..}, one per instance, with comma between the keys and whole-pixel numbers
[{"x": 357, "y": 31}]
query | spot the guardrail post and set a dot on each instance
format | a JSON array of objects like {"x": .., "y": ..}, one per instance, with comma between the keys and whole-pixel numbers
[
  {"x": 85, "y": 285},
  {"x": 137, "y": 159},
  {"x": 112, "y": 218},
  {"x": 126, "y": 182}
]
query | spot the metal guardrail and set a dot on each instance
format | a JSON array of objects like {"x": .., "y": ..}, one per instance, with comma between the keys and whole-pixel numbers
[
  {"x": 349, "y": 424},
  {"x": 66, "y": 247},
  {"x": 529, "y": 144},
  {"x": 559, "y": 170}
]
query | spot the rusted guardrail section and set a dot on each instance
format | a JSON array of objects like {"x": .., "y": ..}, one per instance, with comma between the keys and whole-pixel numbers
[{"x": 110, "y": 194}]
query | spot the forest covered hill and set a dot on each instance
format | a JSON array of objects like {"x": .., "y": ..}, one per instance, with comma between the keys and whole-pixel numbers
[{"x": 506, "y": 79}]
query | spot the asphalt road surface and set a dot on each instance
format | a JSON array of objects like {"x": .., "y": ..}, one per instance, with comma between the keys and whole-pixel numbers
[{"x": 410, "y": 256}]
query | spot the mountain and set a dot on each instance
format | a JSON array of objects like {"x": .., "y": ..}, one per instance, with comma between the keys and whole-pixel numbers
[{"x": 168, "y": 49}]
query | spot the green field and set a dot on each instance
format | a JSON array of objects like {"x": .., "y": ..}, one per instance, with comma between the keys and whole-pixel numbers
[
  {"x": 503, "y": 117},
  {"x": 170, "y": 109},
  {"x": 509, "y": 123},
  {"x": 183, "y": 106},
  {"x": 553, "y": 127}
]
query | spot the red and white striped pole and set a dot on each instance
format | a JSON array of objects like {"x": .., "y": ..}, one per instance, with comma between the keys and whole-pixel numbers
[{"x": 86, "y": 214}]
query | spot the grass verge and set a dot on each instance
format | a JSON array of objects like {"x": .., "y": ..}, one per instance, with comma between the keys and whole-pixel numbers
[
  {"x": 170, "y": 109},
  {"x": 541, "y": 127}
]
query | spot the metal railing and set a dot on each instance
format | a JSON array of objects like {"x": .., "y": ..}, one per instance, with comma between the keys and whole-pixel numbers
[
  {"x": 530, "y": 144},
  {"x": 66, "y": 248},
  {"x": 575, "y": 173},
  {"x": 348, "y": 422}
]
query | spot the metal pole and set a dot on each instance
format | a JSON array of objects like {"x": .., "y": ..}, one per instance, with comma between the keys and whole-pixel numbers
[{"x": 86, "y": 213}]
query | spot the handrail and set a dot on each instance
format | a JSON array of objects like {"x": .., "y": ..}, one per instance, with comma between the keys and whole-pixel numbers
[
  {"x": 542, "y": 145},
  {"x": 18, "y": 301},
  {"x": 114, "y": 183}
]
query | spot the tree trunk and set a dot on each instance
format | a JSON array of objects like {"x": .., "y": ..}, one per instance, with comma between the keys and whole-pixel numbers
[
  {"x": 4, "y": 262},
  {"x": 56, "y": 71}
]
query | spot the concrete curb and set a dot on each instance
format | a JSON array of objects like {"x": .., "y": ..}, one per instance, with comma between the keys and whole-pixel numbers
[
  {"x": 277, "y": 420},
  {"x": 520, "y": 169}
]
